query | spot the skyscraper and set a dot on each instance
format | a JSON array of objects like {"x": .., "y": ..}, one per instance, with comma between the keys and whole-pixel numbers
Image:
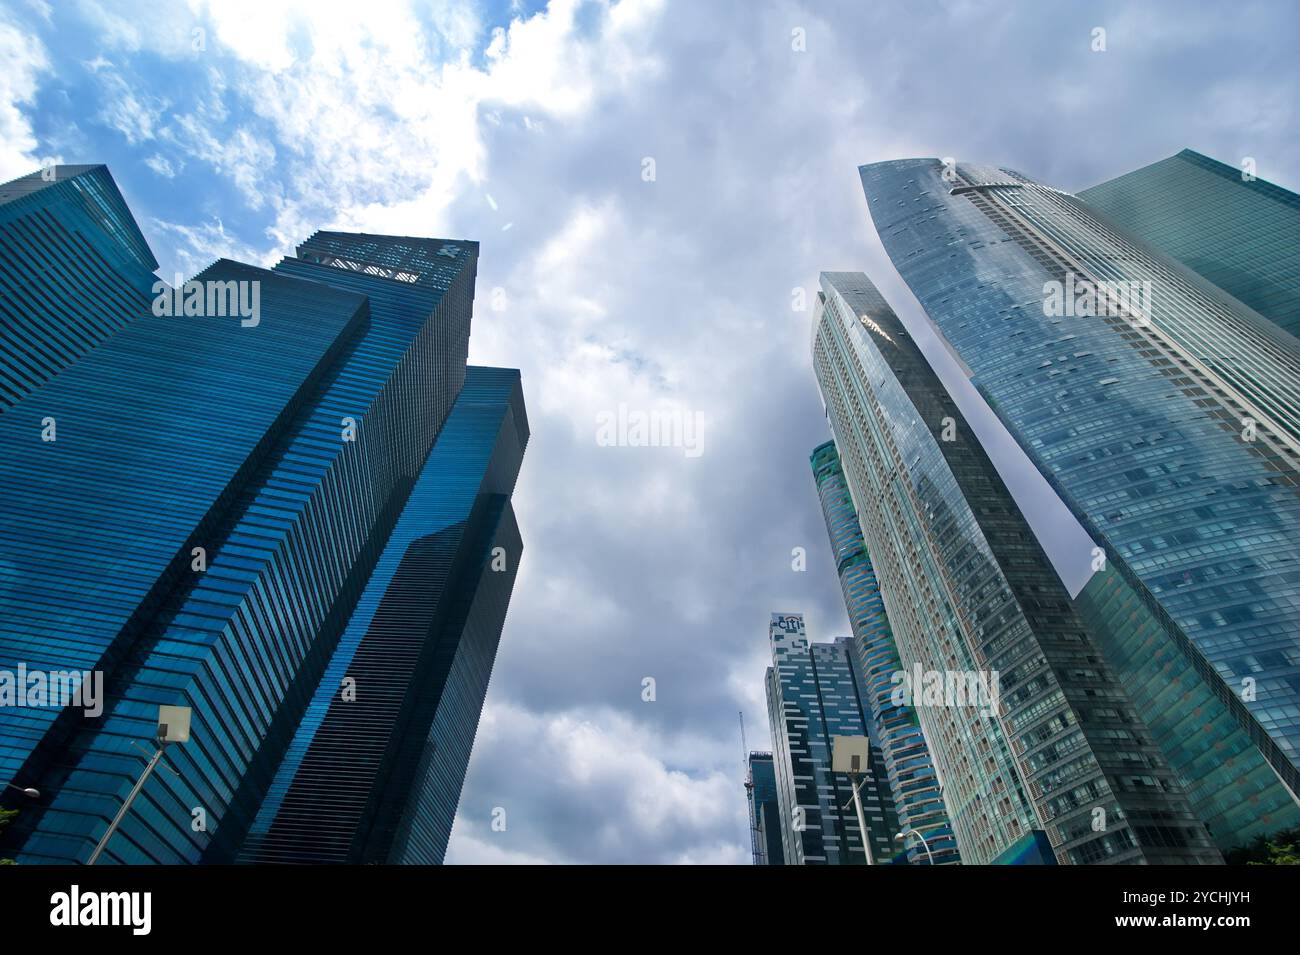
[
  {"x": 764, "y": 811},
  {"x": 813, "y": 695},
  {"x": 896, "y": 729},
  {"x": 377, "y": 777},
  {"x": 1029, "y": 727},
  {"x": 1240, "y": 232},
  {"x": 75, "y": 268},
  {"x": 1165, "y": 416},
  {"x": 273, "y": 517}
]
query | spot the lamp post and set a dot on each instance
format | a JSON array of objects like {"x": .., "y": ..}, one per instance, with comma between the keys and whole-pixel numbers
[
  {"x": 902, "y": 837},
  {"x": 29, "y": 792},
  {"x": 173, "y": 727},
  {"x": 849, "y": 755}
]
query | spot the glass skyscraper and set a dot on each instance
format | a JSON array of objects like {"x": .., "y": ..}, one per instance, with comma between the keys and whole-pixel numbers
[
  {"x": 74, "y": 267},
  {"x": 894, "y": 728},
  {"x": 1031, "y": 731},
  {"x": 377, "y": 778},
  {"x": 764, "y": 811},
  {"x": 295, "y": 522},
  {"x": 813, "y": 695},
  {"x": 1238, "y": 231},
  {"x": 1163, "y": 413}
]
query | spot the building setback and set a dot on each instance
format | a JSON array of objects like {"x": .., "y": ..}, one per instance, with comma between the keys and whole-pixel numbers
[
  {"x": 1238, "y": 231},
  {"x": 377, "y": 777},
  {"x": 1167, "y": 418},
  {"x": 75, "y": 268},
  {"x": 814, "y": 695},
  {"x": 918, "y": 800},
  {"x": 258, "y": 517},
  {"x": 1053, "y": 746}
]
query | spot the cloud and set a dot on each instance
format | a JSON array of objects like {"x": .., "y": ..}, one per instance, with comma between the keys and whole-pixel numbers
[
  {"x": 660, "y": 799},
  {"x": 162, "y": 166},
  {"x": 195, "y": 247},
  {"x": 134, "y": 116},
  {"x": 24, "y": 59},
  {"x": 352, "y": 117},
  {"x": 240, "y": 155},
  {"x": 607, "y": 289}
]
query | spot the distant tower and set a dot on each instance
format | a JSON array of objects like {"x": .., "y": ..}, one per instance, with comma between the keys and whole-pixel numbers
[
  {"x": 764, "y": 811},
  {"x": 813, "y": 695}
]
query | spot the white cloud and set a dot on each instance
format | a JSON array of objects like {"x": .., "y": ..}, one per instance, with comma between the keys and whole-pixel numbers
[
  {"x": 162, "y": 26},
  {"x": 373, "y": 121},
  {"x": 24, "y": 59},
  {"x": 136, "y": 117},
  {"x": 334, "y": 115},
  {"x": 161, "y": 166},
  {"x": 540, "y": 62},
  {"x": 41, "y": 8},
  {"x": 663, "y": 797},
  {"x": 464, "y": 849},
  {"x": 240, "y": 155},
  {"x": 196, "y": 247}
]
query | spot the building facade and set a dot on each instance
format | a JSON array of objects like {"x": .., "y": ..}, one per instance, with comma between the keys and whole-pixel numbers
[
  {"x": 764, "y": 812},
  {"x": 233, "y": 511},
  {"x": 913, "y": 783},
  {"x": 1240, "y": 232},
  {"x": 814, "y": 695},
  {"x": 75, "y": 269},
  {"x": 1163, "y": 413},
  {"x": 375, "y": 775},
  {"x": 1030, "y": 729}
]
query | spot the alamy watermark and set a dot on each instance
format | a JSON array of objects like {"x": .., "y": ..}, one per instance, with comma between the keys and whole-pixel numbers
[
  {"x": 53, "y": 688},
  {"x": 977, "y": 689},
  {"x": 210, "y": 298},
  {"x": 76, "y": 907},
  {"x": 657, "y": 428},
  {"x": 1084, "y": 298}
]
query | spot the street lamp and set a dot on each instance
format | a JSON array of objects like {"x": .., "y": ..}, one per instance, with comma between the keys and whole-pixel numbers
[
  {"x": 902, "y": 837},
  {"x": 173, "y": 727},
  {"x": 28, "y": 792},
  {"x": 849, "y": 755}
]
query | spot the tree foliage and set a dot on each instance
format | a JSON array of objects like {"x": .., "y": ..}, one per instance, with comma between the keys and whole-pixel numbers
[{"x": 1280, "y": 848}]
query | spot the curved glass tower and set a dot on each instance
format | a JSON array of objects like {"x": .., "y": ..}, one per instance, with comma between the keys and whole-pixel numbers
[
  {"x": 1164, "y": 413},
  {"x": 894, "y": 728},
  {"x": 1057, "y": 749}
]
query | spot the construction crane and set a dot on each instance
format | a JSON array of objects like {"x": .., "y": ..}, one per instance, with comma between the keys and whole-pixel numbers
[{"x": 754, "y": 845}]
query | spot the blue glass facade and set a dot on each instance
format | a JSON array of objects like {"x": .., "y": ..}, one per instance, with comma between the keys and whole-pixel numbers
[
  {"x": 1231, "y": 787},
  {"x": 1167, "y": 426},
  {"x": 288, "y": 451},
  {"x": 1056, "y": 746},
  {"x": 764, "y": 810},
  {"x": 74, "y": 268},
  {"x": 913, "y": 783},
  {"x": 1241, "y": 233},
  {"x": 419, "y": 649},
  {"x": 813, "y": 695}
]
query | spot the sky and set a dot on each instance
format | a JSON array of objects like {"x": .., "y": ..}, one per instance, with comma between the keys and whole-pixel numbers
[{"x": 653, "y": 184}]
